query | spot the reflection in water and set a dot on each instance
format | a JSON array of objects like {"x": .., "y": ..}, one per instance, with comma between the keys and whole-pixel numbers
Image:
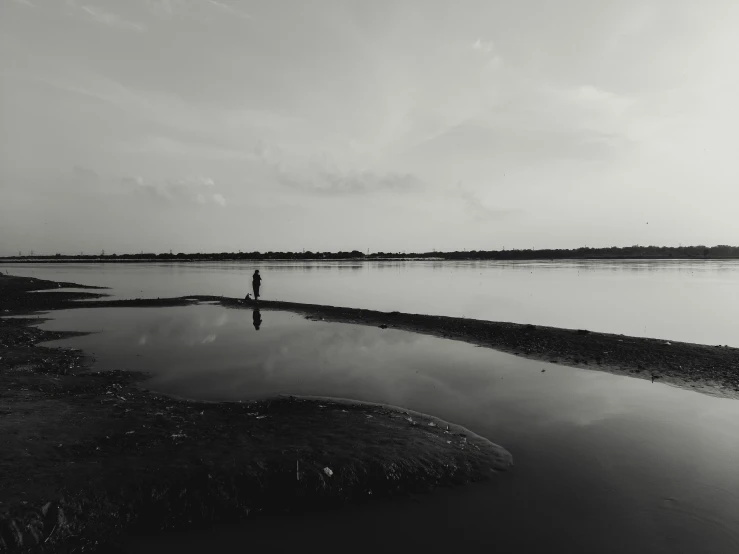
[
  {"x": 613, "y": 296},
  {"x": 629, "y": 297},
  {"x": 256, "y": 318},
  {"x": 604, "y": 463}
]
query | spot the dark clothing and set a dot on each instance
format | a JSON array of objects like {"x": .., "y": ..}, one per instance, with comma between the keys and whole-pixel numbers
[{"x": 256, "y": 281}]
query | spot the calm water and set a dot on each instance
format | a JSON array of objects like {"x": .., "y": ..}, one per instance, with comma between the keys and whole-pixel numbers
[
  {"x": 604, "y": 463},
  {"x": 689, "y": 301}
]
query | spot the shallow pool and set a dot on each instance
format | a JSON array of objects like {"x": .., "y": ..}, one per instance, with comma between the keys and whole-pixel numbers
[{"x": 603, "y": 463}]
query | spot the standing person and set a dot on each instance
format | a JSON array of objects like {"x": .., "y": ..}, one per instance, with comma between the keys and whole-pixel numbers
[{"x": 256, "y": 282}]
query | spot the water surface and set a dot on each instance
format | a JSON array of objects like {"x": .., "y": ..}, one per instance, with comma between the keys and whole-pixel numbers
[
  {"x": 685, "y": 300},
  {"x": 603, "y": 463}
]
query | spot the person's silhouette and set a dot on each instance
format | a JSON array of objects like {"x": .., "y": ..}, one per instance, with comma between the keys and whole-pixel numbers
[
  {"x": 256, "y": 282},
  {"x": 256, "y": 318}
]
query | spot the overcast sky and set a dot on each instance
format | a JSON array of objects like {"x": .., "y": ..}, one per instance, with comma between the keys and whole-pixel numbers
[{"x": 204, "y": 125}]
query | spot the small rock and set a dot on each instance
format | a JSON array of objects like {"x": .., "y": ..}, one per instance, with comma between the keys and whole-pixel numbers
[
  {"x": 328, "y": 471},
  {"x": 543, "y": 370}
]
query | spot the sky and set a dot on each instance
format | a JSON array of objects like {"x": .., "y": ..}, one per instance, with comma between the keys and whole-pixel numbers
[{"x": 390, "y": 125}]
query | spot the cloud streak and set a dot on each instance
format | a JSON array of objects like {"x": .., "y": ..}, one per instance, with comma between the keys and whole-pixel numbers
[
  {"x": 195, "y": 8},
  {"x": 196, "y": 190},
  {"x": 104, "y": 17},
  {"x": 321, "y": 177},
  {"x": 228, "y": 9},
  {"x": 477, "y": 209},
  {"x": 26, "y": 3}
]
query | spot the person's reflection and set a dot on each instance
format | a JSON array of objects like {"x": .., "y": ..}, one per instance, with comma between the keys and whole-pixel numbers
[{"x": 256, "y": 317}]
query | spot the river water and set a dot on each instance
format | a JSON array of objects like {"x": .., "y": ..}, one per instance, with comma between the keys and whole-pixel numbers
[
  {"x": 603, "y": 463},
  {"x": 682, "y": 300}
]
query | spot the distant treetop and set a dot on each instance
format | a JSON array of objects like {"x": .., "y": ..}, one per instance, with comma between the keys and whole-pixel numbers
[{"x": 615, "y": 252}]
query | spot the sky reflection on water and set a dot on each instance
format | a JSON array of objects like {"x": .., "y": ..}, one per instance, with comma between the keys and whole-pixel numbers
[
  {"x": 603, "y": 462},
  {"x": 682, "y": 300}
]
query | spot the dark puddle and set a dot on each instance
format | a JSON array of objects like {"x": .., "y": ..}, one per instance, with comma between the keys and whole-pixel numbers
[{"x": 604, "y": 463}]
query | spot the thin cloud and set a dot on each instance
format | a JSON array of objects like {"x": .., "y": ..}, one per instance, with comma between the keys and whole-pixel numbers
[
  {"x": 26, "y": 3},
  {"x": 196, "y": 190},
  {"x": 314, "y": 177},
  {"x": 477, "y": 209},
  {"x": 194, "y": 8},
  {"x": 159, "y": 6},
  {"x": 334, "y": 183},
  {"x": 162, "y": 145},
  {"x": 85, "y": 173},
  {"x": 488, "y": 49},
  {"x": 230, "y": 10},
  {"x": 104, "y": 17}
]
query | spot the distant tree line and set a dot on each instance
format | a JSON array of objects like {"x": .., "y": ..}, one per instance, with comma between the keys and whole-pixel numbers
[{"x": 627, "y": 252}]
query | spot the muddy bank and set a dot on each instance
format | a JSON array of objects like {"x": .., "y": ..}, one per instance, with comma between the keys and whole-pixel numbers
[
  {"x": 708, "y": 369},
  {"x": 86, "y": 456}
]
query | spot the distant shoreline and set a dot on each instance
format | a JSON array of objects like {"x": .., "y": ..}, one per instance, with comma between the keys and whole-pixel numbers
[
  {"x": 365, "y": 259},
  {"x": 698, "y": 252}
]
